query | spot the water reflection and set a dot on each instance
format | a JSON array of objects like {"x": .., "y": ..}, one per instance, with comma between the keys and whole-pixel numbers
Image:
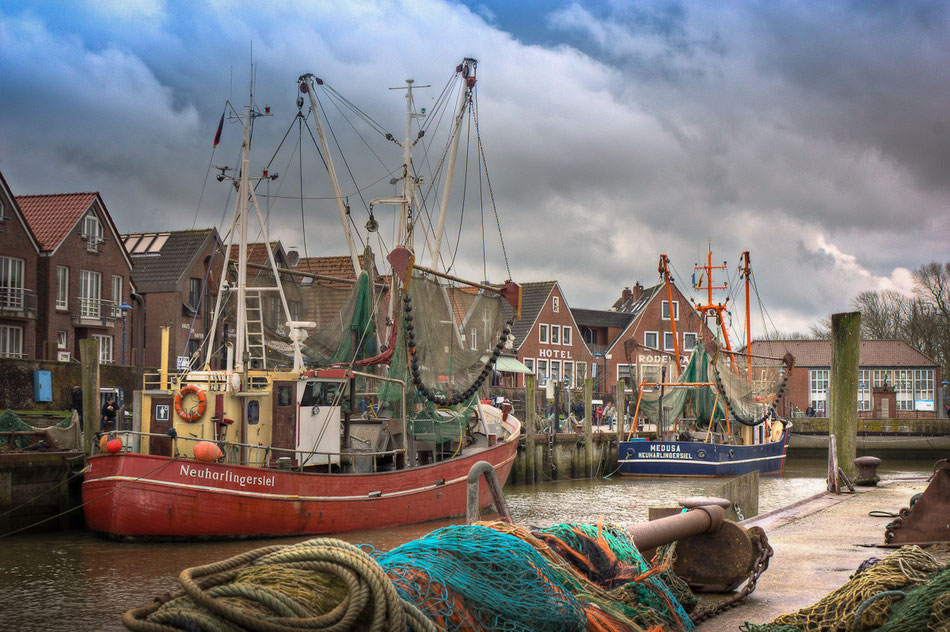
[{"x": 81, "y": 582}]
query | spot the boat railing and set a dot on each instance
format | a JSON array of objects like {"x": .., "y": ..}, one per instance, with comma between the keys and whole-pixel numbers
[{"x": 132, "y": 441}]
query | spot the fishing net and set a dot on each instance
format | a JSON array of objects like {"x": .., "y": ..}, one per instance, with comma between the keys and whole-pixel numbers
[
  {"x": 9, "y": 422},
  {"x": 907, "y": 591},
  {"x": 700, "y": 401},
  {"x": 750, "y": 385}
]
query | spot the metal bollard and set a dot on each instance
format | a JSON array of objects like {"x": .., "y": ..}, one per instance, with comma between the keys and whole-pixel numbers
[
  {"x": 494, "y": 486},
  {"x": 649, "y": 535}
]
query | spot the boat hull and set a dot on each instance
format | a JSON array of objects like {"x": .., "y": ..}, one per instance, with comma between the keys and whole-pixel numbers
[
  {"x": 697, "y": 458},
  {"x": 130, "y": 494}
]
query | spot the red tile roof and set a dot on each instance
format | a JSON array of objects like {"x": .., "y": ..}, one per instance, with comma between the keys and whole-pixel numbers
[
  {"x": 871, "y": 353},
  {"x": 51, "y": 217}
]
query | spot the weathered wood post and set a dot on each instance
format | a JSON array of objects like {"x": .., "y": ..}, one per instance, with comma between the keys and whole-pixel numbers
[
  {"x": 588, "y": 430},
  {"x": 843, "y": 418},
  {"x": 530, "y": 424},
  {"x": 621, "y": 405},
  {"x": 89, "y": 364}
]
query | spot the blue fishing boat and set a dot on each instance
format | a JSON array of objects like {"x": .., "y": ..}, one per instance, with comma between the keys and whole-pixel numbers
[{"x": 717, "y": 417}]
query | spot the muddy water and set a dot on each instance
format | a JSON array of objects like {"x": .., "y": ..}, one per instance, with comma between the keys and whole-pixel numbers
[{"x": 77, "y": 581}]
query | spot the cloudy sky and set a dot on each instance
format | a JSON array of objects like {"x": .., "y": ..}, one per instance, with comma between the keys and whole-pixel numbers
[{"x": 815, "y": 135}]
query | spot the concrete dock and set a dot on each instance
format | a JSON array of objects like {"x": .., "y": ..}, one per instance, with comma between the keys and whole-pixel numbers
[{"x": 818, "y": 543}]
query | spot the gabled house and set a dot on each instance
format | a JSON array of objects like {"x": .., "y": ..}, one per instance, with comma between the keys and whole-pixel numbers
[
  {"x": 547, "y": 339},
  {"x": 177, "y": 274},
  {"x": 895, "y": 381},
  {"x": 84, "y": 278},
  {"x": 19, "y": 260},
  {"x": 634, "y": 340}
]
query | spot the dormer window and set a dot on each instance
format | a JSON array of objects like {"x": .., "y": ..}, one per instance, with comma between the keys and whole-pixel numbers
[
  {"x": 556, "y": 304},
  {"x": 3, "y": 211},
  {"x": 92, "y": 232}
]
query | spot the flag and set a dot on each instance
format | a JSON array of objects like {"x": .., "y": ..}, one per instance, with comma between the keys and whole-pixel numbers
[{"x": 217, "y": 135}]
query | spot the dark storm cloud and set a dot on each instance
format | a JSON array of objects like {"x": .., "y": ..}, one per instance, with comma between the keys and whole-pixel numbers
[{"x": 813, "y": 134}]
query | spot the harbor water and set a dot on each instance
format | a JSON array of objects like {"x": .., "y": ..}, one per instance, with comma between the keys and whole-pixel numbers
[{"x": 78, "y": 581}]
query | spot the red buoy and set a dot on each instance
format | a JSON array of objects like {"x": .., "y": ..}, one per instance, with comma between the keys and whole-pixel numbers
[
  {"x": 114, "y": 445},
  {"x": 207, "y": 451}
]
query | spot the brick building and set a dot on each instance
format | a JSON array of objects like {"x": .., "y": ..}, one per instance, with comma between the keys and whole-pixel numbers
[
  {"x": 84, "y": 275},
  {"x": 547, "y": 340},
  {"x": 19, "y": 260},
  {"x": 894, "y": 380},
  {"x": 177, "y": 274},
  {"x": 634, "y": 339}
]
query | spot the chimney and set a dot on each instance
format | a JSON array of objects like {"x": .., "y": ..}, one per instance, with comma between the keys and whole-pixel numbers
[
  {"x": 625, "y": 296},
  {"x": 637, "y": 290}
]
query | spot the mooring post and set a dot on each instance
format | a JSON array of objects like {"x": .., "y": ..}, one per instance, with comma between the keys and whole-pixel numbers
[
  {"x": 530, "y": 425},
  {"x": 89, "y": 365},
  {"x": 621, "y": 406},
  {"x": 588, "y": 430},
  {"x": 843, "y": 420},
  {"x": 494, "y": 486}
]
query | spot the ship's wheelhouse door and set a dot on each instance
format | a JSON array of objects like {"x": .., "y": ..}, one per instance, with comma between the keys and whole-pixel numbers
[
  {"x": 162, "y": 409},
  {"x": 284, "y": 432},
  {"x": 320, "y": 421}
]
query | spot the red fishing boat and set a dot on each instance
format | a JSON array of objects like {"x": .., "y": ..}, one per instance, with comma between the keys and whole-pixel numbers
[{"x": 361, "y": 408}]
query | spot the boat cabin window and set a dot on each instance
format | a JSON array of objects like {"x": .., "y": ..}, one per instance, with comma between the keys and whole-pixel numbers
[
  {"x": 321, "y": 394},
  {"x": 284, "y": 395},
  {"x": 253, "y": 412}
]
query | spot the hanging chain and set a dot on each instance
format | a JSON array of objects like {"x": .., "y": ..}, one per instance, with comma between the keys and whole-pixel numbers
[{"x": 761, "y": 542}]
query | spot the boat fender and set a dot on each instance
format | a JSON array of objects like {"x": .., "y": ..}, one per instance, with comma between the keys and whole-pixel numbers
[
  {"x": 193, "y": 415},
  {"x": 207, "y": 451},
  {"x": 110, "y": 443}
]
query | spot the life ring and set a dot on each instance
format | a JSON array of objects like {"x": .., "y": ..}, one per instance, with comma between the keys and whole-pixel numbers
[{"x": 194, "y": 415}]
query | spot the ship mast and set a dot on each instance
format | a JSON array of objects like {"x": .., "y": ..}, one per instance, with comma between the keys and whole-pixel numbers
[
  {"x": 245, "y": 340},
  {"x": 664, "y": 271},
  {"x": 710, "y": 308}
]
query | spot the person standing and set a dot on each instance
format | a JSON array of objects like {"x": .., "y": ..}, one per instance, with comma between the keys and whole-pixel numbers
[
  {"x": 76, "y": 395},
  {"x": 609, "y": 415},
  {"x": 109, "y": 410}
]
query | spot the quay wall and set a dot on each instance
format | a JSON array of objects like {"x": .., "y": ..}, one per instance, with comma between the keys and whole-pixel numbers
[
  {"x": 17, "y": 393},
  {"x": 563, "y": 457}
]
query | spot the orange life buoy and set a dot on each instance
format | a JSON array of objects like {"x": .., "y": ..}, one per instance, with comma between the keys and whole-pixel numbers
[{"x": 193, "y": 415}]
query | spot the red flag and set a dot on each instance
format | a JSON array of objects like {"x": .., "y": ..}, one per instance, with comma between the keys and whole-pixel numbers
[{"x": 217, "y": 135}]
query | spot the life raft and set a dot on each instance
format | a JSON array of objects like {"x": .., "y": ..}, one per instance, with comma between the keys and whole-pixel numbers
[{"x": 194, "y": 414}]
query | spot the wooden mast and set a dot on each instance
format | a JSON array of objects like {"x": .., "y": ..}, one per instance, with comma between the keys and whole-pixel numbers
[
  {"x": 664, "y": 271},
  {"x": 710, "y": 307}
]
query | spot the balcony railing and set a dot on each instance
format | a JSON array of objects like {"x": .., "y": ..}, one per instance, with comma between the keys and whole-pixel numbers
[
  {"x": 93, "y": 311},
  {"x": 18, "y": 301}
]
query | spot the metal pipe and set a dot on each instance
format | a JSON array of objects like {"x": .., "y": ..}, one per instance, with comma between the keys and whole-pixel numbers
[{"x": 649, "y": 535}]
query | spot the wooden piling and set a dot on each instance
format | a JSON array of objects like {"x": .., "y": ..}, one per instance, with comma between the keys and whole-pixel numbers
[
  {"x": 89, "y": 360},
  {"x": 843, "y": 418},
  {"x": 530, "y": 424},
  {"x": 588, "y": 430}
]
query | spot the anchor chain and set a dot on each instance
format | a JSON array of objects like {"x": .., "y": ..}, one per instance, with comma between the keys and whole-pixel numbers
[{"x": 759, "y": 566}]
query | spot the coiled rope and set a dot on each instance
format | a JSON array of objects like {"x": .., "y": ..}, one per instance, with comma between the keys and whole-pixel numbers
[{"x": 285, "y": 589}]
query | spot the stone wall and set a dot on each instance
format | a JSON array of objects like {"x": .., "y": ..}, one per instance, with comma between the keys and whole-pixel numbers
[{"x": 17, "y": 390}]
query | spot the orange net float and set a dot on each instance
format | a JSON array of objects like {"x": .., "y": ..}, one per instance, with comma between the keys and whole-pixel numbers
[
  {"x": 207, "y": 451},
  {"x": 195, "y": 413}
]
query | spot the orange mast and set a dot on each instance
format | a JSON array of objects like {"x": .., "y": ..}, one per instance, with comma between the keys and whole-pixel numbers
[
  {"x": 710, "y": 307},
  {"x": 665, "y": 273}
]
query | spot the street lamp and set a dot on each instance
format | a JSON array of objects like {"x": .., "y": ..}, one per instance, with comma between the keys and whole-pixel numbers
[{"x": 125, "y": 307}]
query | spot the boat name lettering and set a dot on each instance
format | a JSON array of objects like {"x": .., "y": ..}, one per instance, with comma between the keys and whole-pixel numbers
[
  {"x": 664, "y": 455},
  {"x": 555, "y": 353},
  {"x": 226, "y": 476}
]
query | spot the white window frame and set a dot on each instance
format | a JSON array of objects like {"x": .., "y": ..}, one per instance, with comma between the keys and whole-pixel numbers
[
  {"x": 568, "y": 371},
  {"x": 566, "y": 335},
  {"x": 625, "y": 371},
  {"x": 554, "y": 368},
  {"x": 924, "y": 383},
  {"x": 543, "y": 334},
  {"x": 864, "y": 390},
  {"x": 473, "y": 340},
  {"x": 819, "y": 386},
  {"x": 3, "y": 211},
  {"x": 652, "y": 373},
  {"x": 12, "y": 275},
  {"x": 11, "y": 342},
  {"x": 555, "y": 335},
  {"x": 665, "y": 310},
  {"x": 528, "y": 362},
  {"x": 555, "y": 304},
  {"x": 689, "y": 335},
  {"x": 580, "y": 371},
  {"x": 669, "y": 341},
  {"x": 882, "y": 377},
  {"x": 656, "y": 337},
  {"x": 904, "y": 389},
  {"x": 92, "y": 232},
  {"x": 90, "y": 294},
  {"x": 541, "y": 369},
  {"x": 117, "y": 282},
  {"x": 61, "y": 339},
  {"x": 105, "y": 348},
  {"x": 62, "y": 287}
]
